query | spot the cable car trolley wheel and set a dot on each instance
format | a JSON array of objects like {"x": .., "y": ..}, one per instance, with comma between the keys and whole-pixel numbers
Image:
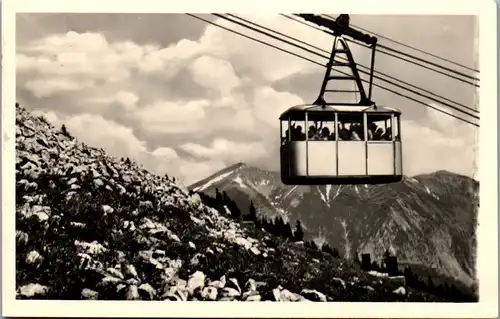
[{"x": 337, "y": 144}]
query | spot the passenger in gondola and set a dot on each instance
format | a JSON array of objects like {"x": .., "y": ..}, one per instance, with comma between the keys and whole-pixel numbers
[
  {"x": 318, "y": 135},
  {"x": 300, "y": 135},
  {"x": 290, "y": 132},
  {"x": 294, "y": 136},
  {"x": 319, "y": 129},
  {"x": 372, "y": 128},
  {"x": 295, "y": 132},
  {"x": 287, "y": 134},
  {"x": 325, "y": 133},
  {"x": 353, "y": 134},
  {"x": 360, "y": 131},
  {"x": 387, "y": 135},
  {"x": 312, "y": 132},
  {"x": 343, "y": 133},
  {"x": 315, "y": 131},
  {"x": 377, "y": 136}
]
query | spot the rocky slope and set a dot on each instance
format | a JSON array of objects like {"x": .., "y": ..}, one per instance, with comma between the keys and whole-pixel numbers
[
  {"x": 427, "y": 220},
  {"x": 89, "y": 226}
]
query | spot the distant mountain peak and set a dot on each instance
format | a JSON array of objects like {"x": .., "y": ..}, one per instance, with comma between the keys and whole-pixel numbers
[
  {"x": 238, "y": 165},
  {"x": 217, "y": 176}
]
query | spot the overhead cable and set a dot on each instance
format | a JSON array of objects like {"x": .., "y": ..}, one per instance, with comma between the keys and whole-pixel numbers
[
  {"x": 317, "y": 63},
  {"x": 412, "y": 56},
  {"x": 389, "y": 54},
  {"x": 416, "y": 49},
  {"x": 361, "y": 71},
  {"x": 358, "y": 64}
]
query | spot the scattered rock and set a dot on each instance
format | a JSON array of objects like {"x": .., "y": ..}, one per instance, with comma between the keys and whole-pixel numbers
[
  {"x": 196, "y": 220},
  {"x": 93, "y": 248},
  {"x": 209, "y": 293},
  {"x": 273, "y": 295},
  {"x": 32, "y": 290},
  {"x": 313, "y": 295},
  {"x": 89, "y": 294},
  {"x": 400, "y": 291},
  {"x": 255, "y": 297},
  {"x": 255, "y": 250},
  {"x": 132, "y": 293},
  {"x": 130, "y": 271},
  {"x": 196, "y": 259},
  {"x": 339, "y": 281},
  {"x": 196, "y": 282},
  {"x": 286, "y": 295},
  {"x": 116, "y": 273},
  {"x": 147, "y": 292},
  {"x": 175, "y": 293},
  {"x": 250, "y": 285},
  {"x": 174, "y": 237},
  {"x": 397, "y": 280},
  {"x": 21, "y": 238},
  {"x": 78, "y": 225},
  {"x": 230, "y": 292},
  {"x": 107, "y": 209},
  {"x": 121, "y": 189},
  {"x": 249, "y": 294},
  {"x": 219, "y": 284},
  {"x": 34, "y": 258},
  {"x": 233, "y": 283},
  {"x": 102, "y": 231}
]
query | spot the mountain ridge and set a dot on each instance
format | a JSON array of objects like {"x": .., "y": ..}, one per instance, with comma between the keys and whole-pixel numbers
[
  {"x": 239, "y": 165},
  {"x": 438, "y": 210}
]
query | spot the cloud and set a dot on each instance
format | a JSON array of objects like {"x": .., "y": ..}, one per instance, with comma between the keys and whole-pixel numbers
[
  {"x": 446, "y": 143},
  {"x": 171, "y": 59},
  {"x": 195, "y": 171},
  {"x": 42, "y": 88},
  {"x": 120, "y": 141},
  {"x": 269, "y": 104},
  {"x": 125, "y": 99},
  {"x": 49, "y": 116},
  {"x": 214, "y": 74},
  {"x": 94, "y": 130},
  {"x": 172, "y": 117},
  {"x": 74, "y": 54},
  {"x": 226, "y": 150},
  {"x": 195, "y": 105},
  {"x": 263, "y": 62}
]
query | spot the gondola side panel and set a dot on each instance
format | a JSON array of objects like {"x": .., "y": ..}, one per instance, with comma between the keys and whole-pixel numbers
[
  {"x": 322, "y": 158},
  {"x": 381, "y": 158},
  {"x": 298, "y": 158},
  {"x": 398, "y": 158},
  {"x": 352, "y": 158}
]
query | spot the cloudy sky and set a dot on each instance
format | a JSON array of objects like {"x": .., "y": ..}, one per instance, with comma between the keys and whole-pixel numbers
[{"x": 186, "y": 98}]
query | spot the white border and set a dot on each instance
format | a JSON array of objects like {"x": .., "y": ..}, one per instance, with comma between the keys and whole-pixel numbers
[{"x": 487, "y": 231}]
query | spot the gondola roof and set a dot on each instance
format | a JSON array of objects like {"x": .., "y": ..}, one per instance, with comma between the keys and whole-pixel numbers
[{"x": 314, "y": 108}]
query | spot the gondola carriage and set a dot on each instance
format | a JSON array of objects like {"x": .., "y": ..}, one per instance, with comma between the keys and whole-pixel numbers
[{"x": 341, "y": 143}]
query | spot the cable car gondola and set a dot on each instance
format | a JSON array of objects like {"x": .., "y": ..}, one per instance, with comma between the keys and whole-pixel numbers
[{"x": 341, "y": 143}]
